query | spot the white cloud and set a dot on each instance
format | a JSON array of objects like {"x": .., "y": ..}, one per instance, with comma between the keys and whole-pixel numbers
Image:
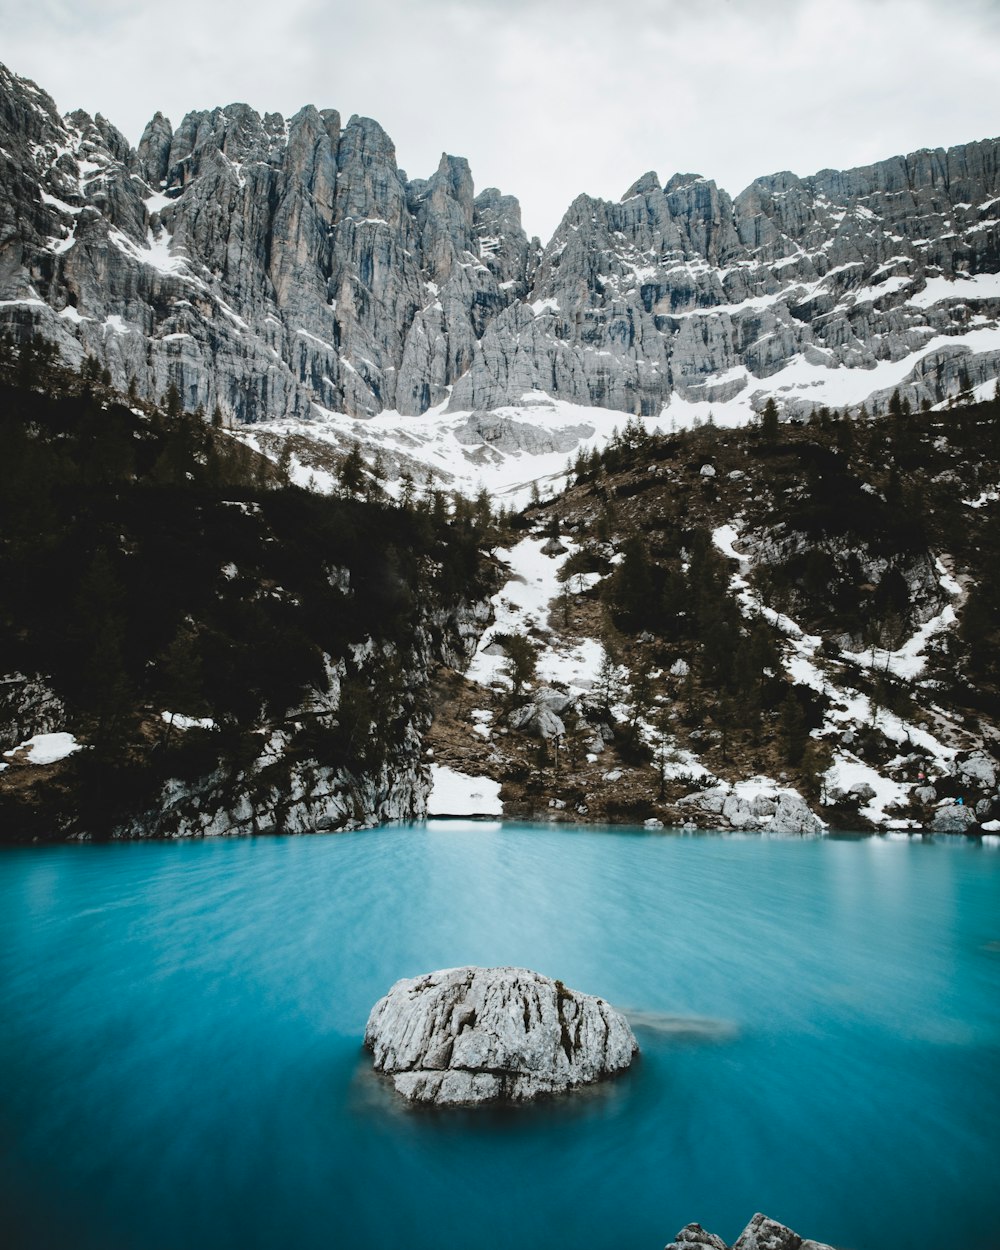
[{"x": 547, "y": 98}]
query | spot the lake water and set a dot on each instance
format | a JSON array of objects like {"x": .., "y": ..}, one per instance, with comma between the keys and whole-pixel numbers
[{"x": 181, "y": 1064}]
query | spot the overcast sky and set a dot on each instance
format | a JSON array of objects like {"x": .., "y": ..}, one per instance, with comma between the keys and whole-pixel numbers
[{"x": 546, "y": 98}]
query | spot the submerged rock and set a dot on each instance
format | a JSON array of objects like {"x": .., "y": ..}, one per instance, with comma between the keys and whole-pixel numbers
[{"x": 472, "y": 1035}]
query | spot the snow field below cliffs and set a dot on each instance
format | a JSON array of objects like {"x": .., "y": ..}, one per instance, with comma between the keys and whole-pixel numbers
[
  {"x": 526, "y": 448},
  {"x": 439, "y": 443}
]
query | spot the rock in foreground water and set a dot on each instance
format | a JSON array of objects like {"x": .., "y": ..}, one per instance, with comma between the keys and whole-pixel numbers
[
  {"x": 761, "y": 1233},
  {"x": 472, "y": 1035}
]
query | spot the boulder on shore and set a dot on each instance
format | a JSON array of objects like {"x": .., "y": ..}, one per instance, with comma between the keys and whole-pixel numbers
[
  {"x": 473, "y": 1035},
  {"x": 953, "y": 818}
]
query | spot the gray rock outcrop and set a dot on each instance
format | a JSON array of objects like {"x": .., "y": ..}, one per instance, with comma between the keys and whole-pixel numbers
[
  {"x": 542, "y": 716},
  {"x": 263, "y": 265},
  {"x": 288, "y": 786},
  {"x": 762, "y": 1233},
  {"x": 955, "y": 818},
  {"x": 772, "y": 809},
  {"x": 681, "y": 290},
  {"x": 475, "y": 1035},
  {"x": 693, "y": 1235},
  {"x": 28, "y": 706},
  {"x": 979, "y": 770},
  {"x": 285, "y": 267}
]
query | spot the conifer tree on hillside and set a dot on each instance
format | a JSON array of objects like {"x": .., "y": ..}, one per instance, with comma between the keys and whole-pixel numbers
[{"x": 769, "y": 423}]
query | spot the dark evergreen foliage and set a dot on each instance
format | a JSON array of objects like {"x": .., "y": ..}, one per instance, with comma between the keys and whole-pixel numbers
[{"x": 153, "y": 562}]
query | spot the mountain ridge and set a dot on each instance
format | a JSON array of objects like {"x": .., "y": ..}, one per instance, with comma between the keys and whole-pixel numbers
[{"x": 287, "y": 269}]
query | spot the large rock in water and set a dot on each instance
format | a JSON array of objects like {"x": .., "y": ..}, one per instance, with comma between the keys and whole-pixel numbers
[
  {"x": 761, "y": 1233},
  {"x": 471, "y": 1035}
]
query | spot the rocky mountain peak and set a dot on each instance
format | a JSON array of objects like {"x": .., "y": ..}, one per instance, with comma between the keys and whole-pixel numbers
[
  {"x": 152, "y": 158},
  {"x": 648, "y": 184},
  {"x": 287, "y": 269}
]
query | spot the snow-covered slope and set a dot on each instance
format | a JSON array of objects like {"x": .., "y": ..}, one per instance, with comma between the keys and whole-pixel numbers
[{"x": 749, "y": 635}]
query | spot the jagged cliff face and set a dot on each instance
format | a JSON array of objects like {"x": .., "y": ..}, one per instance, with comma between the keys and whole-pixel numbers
[
  {"x": 680, "y": 290},
  {"x": 283, "y": 268},
  {"x": 260, "y": 264}
]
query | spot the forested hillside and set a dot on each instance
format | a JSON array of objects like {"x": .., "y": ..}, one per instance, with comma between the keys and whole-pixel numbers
[
  {"x": 195, "y": 621},
  {"x": 804, "y": 607}
]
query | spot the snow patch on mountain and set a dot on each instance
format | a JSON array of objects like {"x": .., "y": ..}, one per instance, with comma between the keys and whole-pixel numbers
[
  {"x": 521, "y": 608},
  {"x": 847, "y": 711},
  {"x": 454, "y": 793},
  {"x": 534, "y": 441},
  {"x": 43, "y": 749}
]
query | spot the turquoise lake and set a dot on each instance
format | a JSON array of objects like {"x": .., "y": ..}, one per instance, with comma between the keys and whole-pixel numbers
[{"x": 181, "y": 1063}]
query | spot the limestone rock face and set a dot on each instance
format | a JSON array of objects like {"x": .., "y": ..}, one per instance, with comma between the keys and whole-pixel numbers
[
  {"x": 279, "y": 268},
  {"x": 264, "y": 265},
  {"x": 474, "y": 1035},
  {"x": 681, "y": 290}
]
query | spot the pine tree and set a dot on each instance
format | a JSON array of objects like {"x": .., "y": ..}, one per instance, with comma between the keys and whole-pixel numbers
[
  {"x": 609, "y": 681},
  {"x": 285, "y": 462},
  {"x": 816, "y": 760},
  {"x": 407, "y": 490},
  {"x": 640, "y": 696},
  {"x": 769, "y": 423},
  {"x": 99, "y": 628},
  {"x": 484, "y": 514},
  {"x": 379, "y": 474},
  {"x": 180, "y": 676},
  {"x": 792, "y": 728},
  {"x": 522, "y": 660},
  {"x": 351, "y": 472},
  {"x": 631, "y": 589},
  {"x": 172, "y": 401}
]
